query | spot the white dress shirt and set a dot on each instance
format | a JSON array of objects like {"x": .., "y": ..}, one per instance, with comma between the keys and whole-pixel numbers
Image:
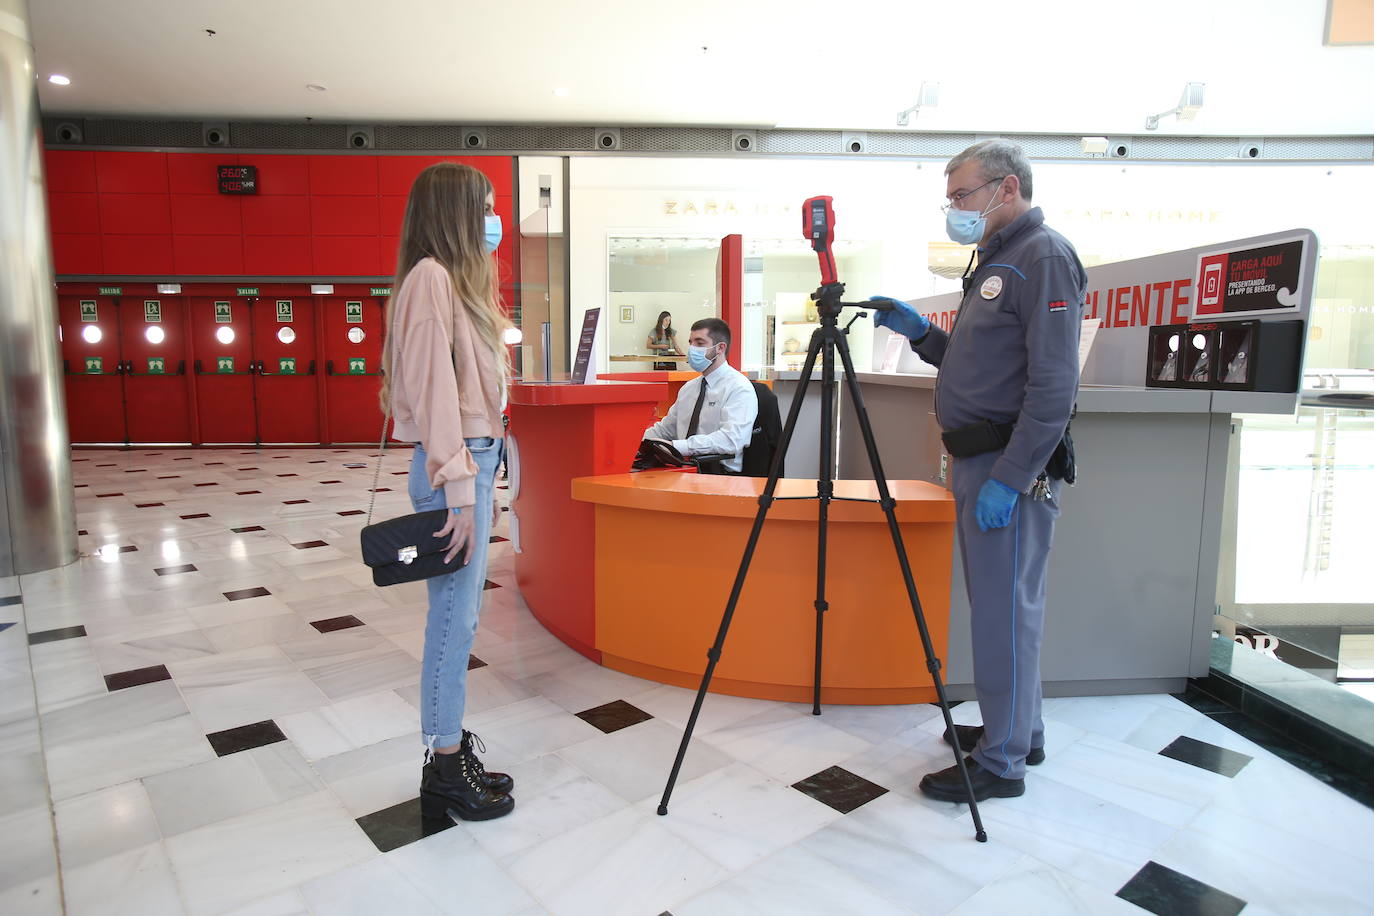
[{"x": 727, "y": 417}]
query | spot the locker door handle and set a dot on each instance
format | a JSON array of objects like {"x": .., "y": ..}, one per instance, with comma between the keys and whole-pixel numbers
[
  {"x": 311, "y": 370},
  {"x": 328, "y": 367},
  {"x": 181, "y": 367},
  {"x": 199, "y": 370}
]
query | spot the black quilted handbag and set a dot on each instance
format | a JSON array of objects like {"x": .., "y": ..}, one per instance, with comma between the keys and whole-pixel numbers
[{"x": 405, "y": 549}]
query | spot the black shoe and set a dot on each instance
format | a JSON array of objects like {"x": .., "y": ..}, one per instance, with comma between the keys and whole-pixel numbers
[
  {"x": 449, "y": 785},
  {"x": 496, "y": 782},
  {"x": 947, "y": 785},
  {"x": 970, "y": 735}
]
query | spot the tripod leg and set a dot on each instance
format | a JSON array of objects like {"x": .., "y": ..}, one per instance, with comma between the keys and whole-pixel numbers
[
  {"x": 825, "y": 491},
  {"x": 889, "y": 507},
  {"x": 765, "y": 501}
]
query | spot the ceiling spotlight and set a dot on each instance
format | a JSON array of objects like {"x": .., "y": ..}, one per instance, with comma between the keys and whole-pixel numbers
[
  {"x": 929, "y": 98},
  {"x": 1186, "y": 110},
  {"x": 314, "y": 87},
  {"x": 1093, "y": 146},
  {"x": 58, "y": 79}
]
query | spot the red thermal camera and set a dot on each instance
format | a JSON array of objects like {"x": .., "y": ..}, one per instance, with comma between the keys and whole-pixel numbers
[{"x": 818, "y": 225}]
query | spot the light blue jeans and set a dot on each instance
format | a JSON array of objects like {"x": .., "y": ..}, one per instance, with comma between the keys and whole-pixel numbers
[{"x": 455, "y": 600}]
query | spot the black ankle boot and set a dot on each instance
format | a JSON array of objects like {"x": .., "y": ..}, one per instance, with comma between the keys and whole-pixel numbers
[
  {"x": 450, "y": 785},
  {"x": 496, "y": 782}
]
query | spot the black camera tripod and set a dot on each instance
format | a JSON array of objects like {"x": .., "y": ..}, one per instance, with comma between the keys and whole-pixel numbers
[{"x": 825, "y": 342}]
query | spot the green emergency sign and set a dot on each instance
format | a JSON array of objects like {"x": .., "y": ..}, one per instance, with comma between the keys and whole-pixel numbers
[
  {"x": 224, "y": 364},
  {"x": 111, "y": 290},
  {"x": 357, "y": 365},
  {"x": 157, "y": 365},
  {"x": 284, "y": 310},
  {"x": 88, "y": 310},
  {"x": 93, "y": 365},
  {"x": 152, "y": 310},
  {"x": 224, "y": 314},
  {"x": 247, "y": 291},
  {"x": 353, "y": 311},
  {"x": 286, "y": 365},
  {"x": 380, "y": 291}
]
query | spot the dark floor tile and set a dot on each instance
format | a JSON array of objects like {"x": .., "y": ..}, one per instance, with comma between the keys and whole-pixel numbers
[
  {"x": 137, "y": 677},
  {"x": 247, "y": 469},
  {"x": 55, "y": 635},
  {"x": 173, "y": 570},
  {"x": 183, "y": 458},
  {"x": 82, "y": 531},
  {"x": 80, "y": 485},
  {"x": 197, "y": 515},
  {"x": 399, "y": 473},
  {"x": 336, "y": 623},
  {"x": 81, "y": 459},
  {"x": 104, "y": 465},
  {"x": 475, "y": 662},
  {"x": 496, "y": 539},
  {"x": 279, "y": 457},
  {"x": 247, "y": 528},
  {"x": 288, "y": 475},
  {"x": 397, "y": 826},
  {"x": 318, "y": 461},
  {"x": 6, "y": 626},
  {"x": 354, "y": 465},
  {"x": 1347, "y": 782},
  {"x": 240, "y": 594},
  {"x": 505, "y": 508},
  {"x": 128, "y": 548},
  {"x": 381, "y": 490},
  {"x": 331, "y": 481},
  {"x": 491, "y": 584},
  {"x": 107, "y": 495},
  {"x": 1207, "y": 756},
  {"x": 1203, "y": 702},
  {"x": 245, "y": 737},
  {"x": 11, "y": 599},
  {"x": 147, "y": 505},
  {"x": 614, "y": 716},
  {"x": 247, "y": 492},
  {"x": 136, "y": 471},
  {"x": 306, "y": 545},
  {"x": 840, "y": 789},
  {"x": 1161, "y": 890},
  {"x": 351, "y": 512},
  {"x": 171, "y": 477},
  {"x": 293, "y": 502},
  {"x": 211, "y": 464}
]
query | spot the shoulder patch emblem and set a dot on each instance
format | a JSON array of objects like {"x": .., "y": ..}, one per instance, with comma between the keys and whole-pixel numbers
[
  {"x": 1059, "y": 305},
  {"x": 991, "y": 288}
]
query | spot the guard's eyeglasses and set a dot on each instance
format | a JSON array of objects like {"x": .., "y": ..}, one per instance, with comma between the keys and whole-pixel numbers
[{"x": 959, "y": 197}]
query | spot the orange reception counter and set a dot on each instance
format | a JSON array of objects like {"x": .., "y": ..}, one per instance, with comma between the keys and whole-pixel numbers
[{"x": 667, "y": 547}]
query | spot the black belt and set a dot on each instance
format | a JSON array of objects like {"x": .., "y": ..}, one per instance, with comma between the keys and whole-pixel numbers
[{"x": 977, "y": 438}]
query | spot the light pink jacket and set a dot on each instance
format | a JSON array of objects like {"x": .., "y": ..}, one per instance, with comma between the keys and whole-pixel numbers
[{"x": 446, "y": 384}]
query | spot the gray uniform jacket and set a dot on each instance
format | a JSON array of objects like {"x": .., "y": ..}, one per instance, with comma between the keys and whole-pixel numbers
[{"x": 1012, "y": 353}]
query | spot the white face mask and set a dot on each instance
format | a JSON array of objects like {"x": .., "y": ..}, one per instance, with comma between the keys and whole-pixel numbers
[
  {"x": 700, "y": 358},
  {"x": 968, "y": 226}
]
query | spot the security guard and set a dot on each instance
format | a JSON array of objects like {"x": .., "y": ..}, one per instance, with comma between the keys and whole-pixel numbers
[{"x": 1006, "y": 388}]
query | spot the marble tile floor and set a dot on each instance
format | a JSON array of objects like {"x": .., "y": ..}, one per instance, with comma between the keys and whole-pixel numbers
[{"x": 214, "y": 711}]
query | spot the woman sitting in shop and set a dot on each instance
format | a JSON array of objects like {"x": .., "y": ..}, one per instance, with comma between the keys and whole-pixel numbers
[
  {"x": 444, "y": 327},
  {"x": 663, "y": 340}
]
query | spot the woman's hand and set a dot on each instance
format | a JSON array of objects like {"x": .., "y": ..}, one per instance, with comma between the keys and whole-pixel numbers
[{"x": 459, "y": 525}]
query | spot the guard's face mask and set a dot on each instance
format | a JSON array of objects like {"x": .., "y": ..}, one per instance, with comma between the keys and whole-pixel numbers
[
  {"x": 967, "y": 226},
  {"x": 700, "y": 358}
]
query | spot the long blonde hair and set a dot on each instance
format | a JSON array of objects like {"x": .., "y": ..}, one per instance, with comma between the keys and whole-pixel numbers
[{"x": 445, "y": 220}]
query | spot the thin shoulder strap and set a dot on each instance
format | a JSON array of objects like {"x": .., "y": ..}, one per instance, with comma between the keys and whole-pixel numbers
[{"x": 386, "y": 421}]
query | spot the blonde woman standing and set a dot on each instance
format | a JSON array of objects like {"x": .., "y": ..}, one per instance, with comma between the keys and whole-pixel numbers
[{"x": 445, "y": 378}]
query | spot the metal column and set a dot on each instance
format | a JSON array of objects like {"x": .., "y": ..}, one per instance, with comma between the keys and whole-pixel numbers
[{"x": 37, "y": 511}]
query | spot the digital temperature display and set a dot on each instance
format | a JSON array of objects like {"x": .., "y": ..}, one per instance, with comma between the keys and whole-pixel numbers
[{"x": 237, "y": 179}]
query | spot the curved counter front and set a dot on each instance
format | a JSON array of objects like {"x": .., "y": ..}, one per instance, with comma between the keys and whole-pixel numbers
[{"x": 668, "y": 546}]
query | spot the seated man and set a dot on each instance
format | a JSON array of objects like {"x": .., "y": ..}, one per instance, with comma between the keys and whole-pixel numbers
[{"x": 713, "y": 414}]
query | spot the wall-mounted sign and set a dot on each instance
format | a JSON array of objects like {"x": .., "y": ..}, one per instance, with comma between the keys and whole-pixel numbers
[
  {"x": 284, "y": 310},
  {"x": 157, "y": 365},
  {"x": 224, "y": 364},
  {"x": 93, "y": 364},
  {"x": 247, "y": 291},
  {"x": 357, "y": 365},
  {"x": 286, "y": 365},
  {"x": 353, "y": 311},
  {"x": 380, "y": 291},
  {"x": 111, "y": 290},
  {"x": 238, "y": 179},
  {"x": 152, "y": 310},
  {"x": 224, "y": 314},
  {"x": 88, "y": 310}
]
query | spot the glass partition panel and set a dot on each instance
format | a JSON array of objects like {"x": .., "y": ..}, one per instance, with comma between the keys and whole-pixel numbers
[
  {"x": 655, "y": 280},
  {"x": 534, "y": 306}
]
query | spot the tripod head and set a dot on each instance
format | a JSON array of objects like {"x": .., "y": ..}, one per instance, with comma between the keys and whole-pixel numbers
[{"x": 818, "y": 226}]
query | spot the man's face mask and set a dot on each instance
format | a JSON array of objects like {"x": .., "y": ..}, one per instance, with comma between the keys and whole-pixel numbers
[
  {"x": 967, "y": 226},
  {"x": 700, "y": 358}
]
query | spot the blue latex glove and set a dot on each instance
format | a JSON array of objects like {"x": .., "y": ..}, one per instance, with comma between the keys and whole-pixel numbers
[
  {"x": 995, "y": 502},
  {"x": 902, "y": 319}
]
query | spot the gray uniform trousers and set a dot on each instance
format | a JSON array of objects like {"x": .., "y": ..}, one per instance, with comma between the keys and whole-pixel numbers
[{"x": 1005, "y": 571}]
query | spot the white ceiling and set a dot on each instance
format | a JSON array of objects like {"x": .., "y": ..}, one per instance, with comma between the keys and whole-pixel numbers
[{"x": 1062, "y": 66}]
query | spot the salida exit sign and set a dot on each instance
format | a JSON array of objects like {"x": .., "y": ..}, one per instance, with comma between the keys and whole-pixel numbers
[{"x": 237, "y": 179}]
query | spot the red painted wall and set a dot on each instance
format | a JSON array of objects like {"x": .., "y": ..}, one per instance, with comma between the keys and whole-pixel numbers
[{"x": 120, "y": 214}]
